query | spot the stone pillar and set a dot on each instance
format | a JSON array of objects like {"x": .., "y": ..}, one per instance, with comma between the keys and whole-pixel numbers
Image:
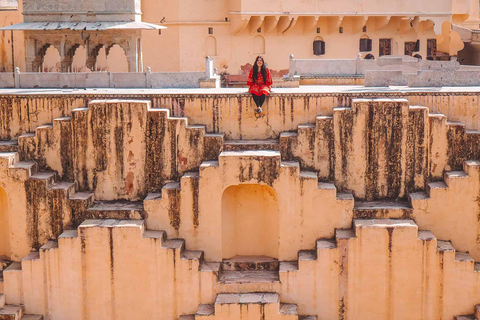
[
  {"x": 209, "y": 67},
  {"x": 291, "y": 70},
  {"x": 92, "y": 53},
  {"x": 17, "y": 77},
  {"x": 139, "y": 55},
  {"x": 30, "y": 55},
  {"x": 66, "y": 64},
  {"x": 131, "y": 52},
  {"x": 132, "y": 63}
]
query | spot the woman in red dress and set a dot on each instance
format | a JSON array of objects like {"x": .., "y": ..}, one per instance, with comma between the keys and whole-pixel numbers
[{"x": 259, "y": 82}]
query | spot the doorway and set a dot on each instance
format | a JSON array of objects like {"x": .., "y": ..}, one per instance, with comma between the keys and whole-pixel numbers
[{"x": 249, "y": 221}]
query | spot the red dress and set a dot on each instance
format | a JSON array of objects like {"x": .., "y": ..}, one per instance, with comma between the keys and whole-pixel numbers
[{"x": 258, "y": 87}]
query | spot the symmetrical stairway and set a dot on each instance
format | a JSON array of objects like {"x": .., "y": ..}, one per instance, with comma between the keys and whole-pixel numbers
[
  {"x": 310, "y": 177},
  {"x": 260, "y": 305}
]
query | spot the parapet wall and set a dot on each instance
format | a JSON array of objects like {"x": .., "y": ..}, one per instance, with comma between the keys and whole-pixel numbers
[{"x": 232, "y": 113}]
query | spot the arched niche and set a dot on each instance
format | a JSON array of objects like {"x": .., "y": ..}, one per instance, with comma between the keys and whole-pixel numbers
[
  {"x": 4, "y": 225},
  {"x": 116, "y": 59},
  {"x": 52, "y": 60},
  {"x": 259, "y": 45},
  {"x": 211, "y": 46},
  {"x": 79, "y": 62},
  {"x": 249, "y": 221}
]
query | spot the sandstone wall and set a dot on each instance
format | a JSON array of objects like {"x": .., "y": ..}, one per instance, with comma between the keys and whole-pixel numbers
[
  {"x": 231, "y": 114},
  {"x": 95, "y": 192},
  {"x": 408, "y": 273}
]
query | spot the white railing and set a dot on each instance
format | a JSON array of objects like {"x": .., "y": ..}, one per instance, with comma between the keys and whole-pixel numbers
[
  {"x": 389, "y": 70},
  {"x": 147, "y": 79}
]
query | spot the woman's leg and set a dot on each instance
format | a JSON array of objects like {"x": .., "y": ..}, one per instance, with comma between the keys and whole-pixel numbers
[
  {"x": 256, "y": 99},
  {"x": 261, "y": 100}
]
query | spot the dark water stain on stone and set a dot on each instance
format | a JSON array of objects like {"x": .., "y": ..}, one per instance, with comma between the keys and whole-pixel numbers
[
  {"x": 346, "y": 140},
  {"x": 267, "y": 173},
  {"x": 456, "y": 146},
  {"x": 195, "y": 194},
  {"x": 35, "y": 193},
  {"x": 174, "y": 207},
  {"x": 66, "y": 150},
  {"x": 6, "y": 115},
  {"x": 415, "y": 150},
  {"x": 172, "y": 133},
  {"x": 154, "y": 165}
]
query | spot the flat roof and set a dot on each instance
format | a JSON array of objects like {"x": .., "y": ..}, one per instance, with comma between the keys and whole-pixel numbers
[{"x": 100, "y": 25}]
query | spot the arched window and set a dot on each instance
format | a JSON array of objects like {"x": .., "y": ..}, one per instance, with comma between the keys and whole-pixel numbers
[
  {"x": 259, "y": 45},
  {"x": 79, "y": 60},
  {"x": 116, "y": 59},
  {"x": 211, "y": 46},
  {"x": 365, "y": 44},
  {"x": 51, "y": 60},
  {"x": 369, "y": 57},
  {"x": 318, "y": 46}
]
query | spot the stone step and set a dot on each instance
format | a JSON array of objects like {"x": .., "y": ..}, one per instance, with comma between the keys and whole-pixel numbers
[
  {"x": 32, "y": 317},
  {"x": 244, "y": 145},
  {"x": 86, "y": 197},
  {"x": 469, "y": 317},
  {"x": 9, "y": 158},
  {"x": 384, "y": 209},
  {"x": 252, "y": 263},
  {"x": 9, "y": 146},
  {"x": 436, "y": 187},
  {"x": 288, "y": 309},
  {"x": 247, "y": 298},
  {"x": 452, "y": 178},
  {"x": 30, "y": 166},
  {"x": 47, "y": 177},
  {"x": 307, "y": 255},
  {"x": 205, "y": 310},
  {"x": 12, "y": 312},
  {"x": 120, "y": 209},
  {"x": 67, "y": 187},
  {"x": 251, "y": 154},
  {"x": 243, "y": 277}
]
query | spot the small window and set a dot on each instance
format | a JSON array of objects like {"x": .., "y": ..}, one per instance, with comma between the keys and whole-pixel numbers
[
  {"x": 259, "y": 30},
  {"x": 364, "y": 29},
  {"x": 417, "y": 46},
  {"x": 365, "y": 45},
  {"x": 159, "y": 32},
  {"x": 411, "y": 47},
  {"x": 210, "y": 30},
  {"x": 340, "y": 30},
  {"x": 318, "y": 30},
  {"x": 318, "y": 47},
  {"x": 369, "y": 57}
]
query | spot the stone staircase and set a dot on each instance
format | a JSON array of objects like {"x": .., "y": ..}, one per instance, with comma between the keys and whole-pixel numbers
[
  {"x": 248, "y": 305},
  {"x": 13, "y": 311},
  {"x": 249, "y": 274},
  {"x": 350, "y": 240},
  {"x": 474, "y": 316}
]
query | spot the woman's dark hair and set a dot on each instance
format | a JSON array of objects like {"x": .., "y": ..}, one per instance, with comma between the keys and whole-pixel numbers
[{"x": 263, "y": 70}]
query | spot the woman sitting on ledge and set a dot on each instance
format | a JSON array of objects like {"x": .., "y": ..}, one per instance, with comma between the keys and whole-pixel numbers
[{"x": 259, "y": 82}]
